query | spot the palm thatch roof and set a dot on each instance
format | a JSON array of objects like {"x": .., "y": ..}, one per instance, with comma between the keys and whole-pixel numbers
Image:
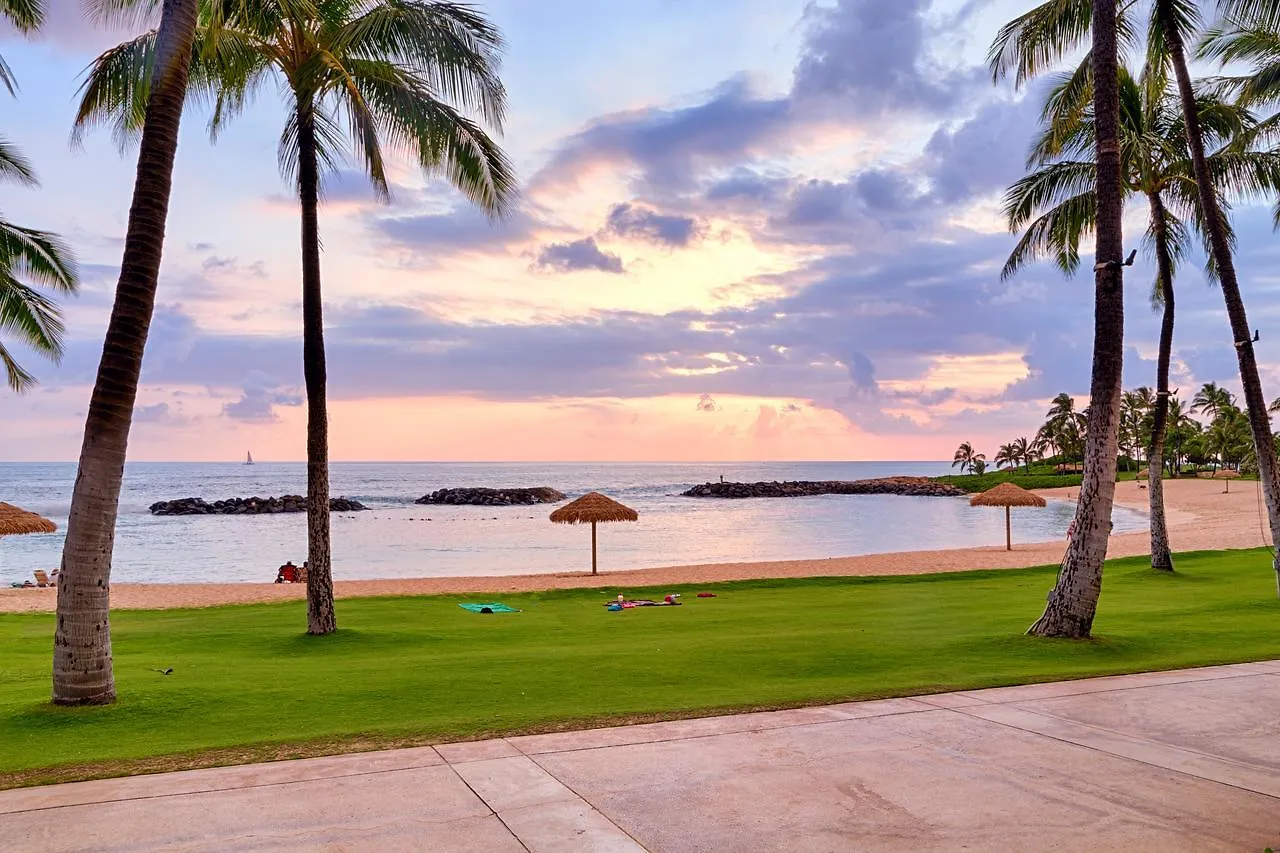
[
  {"x": 593, "y": 507},
  {"x": 1143, "y": 474},
  {"x": 1006, "y": 494},
  {"x": 15, "y": 521},
  {"x": 1226, "y": 474}
]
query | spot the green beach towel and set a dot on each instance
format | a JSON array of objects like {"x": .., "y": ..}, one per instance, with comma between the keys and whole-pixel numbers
[{"x": 488, "y": 608}]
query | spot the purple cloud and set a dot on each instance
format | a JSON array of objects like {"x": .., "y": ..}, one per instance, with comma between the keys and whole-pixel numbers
[{"x": 579, "y": 255}]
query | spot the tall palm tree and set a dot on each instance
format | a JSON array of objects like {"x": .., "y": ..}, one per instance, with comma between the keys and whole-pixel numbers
[
  {"x": 401, "y": 73},
  {"x": 1056, "y": 206},
  {"x": 1074, "y": 599},
  {"x": 1212, "y": 399},
  {"x": 26, "y": 253},
  {"x": 1056, "y": 28},
  {"x": 1023, "y": 452},
  {"x": 82, "y": 667},
  {"x": 963, "y": 456},
  {"x": 1176, "y": 19}
]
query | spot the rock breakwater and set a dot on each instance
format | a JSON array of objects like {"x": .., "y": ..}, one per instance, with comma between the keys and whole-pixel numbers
[
  {"x": 914, "y": 486},
  {"x": 248, "y": 506},
  {"x": 492, "y": 497}
]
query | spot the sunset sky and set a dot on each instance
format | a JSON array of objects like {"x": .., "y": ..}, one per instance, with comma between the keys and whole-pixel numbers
[{"x": 750, "y": 229}]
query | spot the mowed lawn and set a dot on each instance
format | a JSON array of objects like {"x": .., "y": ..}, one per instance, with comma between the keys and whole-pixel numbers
[{"x": 247, "y": 684}]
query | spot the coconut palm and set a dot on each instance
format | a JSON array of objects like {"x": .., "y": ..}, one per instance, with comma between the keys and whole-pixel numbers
[
  {"x": 1020, "y": 46},
  {"x": 1228, "y": 437},
  {"x": 401, "y": 73},
  {"x": 25, "y": 253},
  {"x": 964, "y": 456},
  {"x": 1056, "y": 206},
  {"x": 1174, "y": 21},
  {"x": 1005, "y": 457},
  {"x": 82, "y": 666},
  {"x": 1212, "y": 399},
  {"x": 1023, "y": 452},
  {"x": 1056, "y": 28},
  {"x": 1180, "y": 433}
]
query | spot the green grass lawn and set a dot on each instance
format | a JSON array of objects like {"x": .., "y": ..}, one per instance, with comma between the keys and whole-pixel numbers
[{"x": 248, "y": 685}]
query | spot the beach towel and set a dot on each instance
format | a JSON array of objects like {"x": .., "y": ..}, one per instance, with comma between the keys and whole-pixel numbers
[
  {"x": 640, "y": 602},
  {"x": 494, "y": 607}
]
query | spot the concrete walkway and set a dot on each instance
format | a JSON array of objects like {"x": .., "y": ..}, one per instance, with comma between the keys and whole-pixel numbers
[{"x": 1186, "y": 760}]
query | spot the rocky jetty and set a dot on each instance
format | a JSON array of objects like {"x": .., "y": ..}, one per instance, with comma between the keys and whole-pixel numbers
[
  {"x": 492, "y": 497},
  {"x": 248, "y": 506},
  {"x": 916, "y": 486}
]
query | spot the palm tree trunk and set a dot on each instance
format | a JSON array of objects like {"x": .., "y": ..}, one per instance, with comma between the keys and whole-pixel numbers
[
  {"x": 1074, "y": 599},
  {"x": 321, "y": 618},
  {"x": 1161, "y": 557},
  {"x": 1215, "y": 222},
  {"x": 82, "y": 667}
]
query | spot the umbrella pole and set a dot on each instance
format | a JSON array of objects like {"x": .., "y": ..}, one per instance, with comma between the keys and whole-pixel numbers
[
  {"x": 593, "y": 547},
  {"x": 1008, "y": 530}
]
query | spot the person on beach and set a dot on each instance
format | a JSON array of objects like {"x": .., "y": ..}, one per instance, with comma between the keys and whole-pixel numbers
[{"x": 288, "y": 573}]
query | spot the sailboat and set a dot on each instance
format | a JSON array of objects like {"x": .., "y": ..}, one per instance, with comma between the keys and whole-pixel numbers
[{"x": 248, "y": 458}]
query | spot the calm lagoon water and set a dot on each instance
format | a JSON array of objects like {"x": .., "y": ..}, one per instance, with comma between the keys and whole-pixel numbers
[{"x": 401, "y": 539}]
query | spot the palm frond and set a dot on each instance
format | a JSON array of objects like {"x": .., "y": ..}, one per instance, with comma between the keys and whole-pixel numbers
[
  {"x": 438, "y": 137},
  {"x": 1047, "y": 187},
  {"x": 1057, "y": 234},
  {"x": 39, "y": 256},
  {"x": 451, "y": 47},
  {"x": 116, "y": 89},
  {"x": 14, "y": 166}
]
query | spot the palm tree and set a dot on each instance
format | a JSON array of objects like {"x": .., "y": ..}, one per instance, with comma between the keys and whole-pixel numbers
[
  {"x": 1176, "y": 19},
  {"x": 1056, "y": 28},
  {"x": 964, "y": 456},
  {"x": 1228, "y": 437},
  {"x": 82, "y": 669},
  {"x": 1006, "y": 456},
  {"x": 1181, "y": 432},
  {"x": 391, "y": 69},
  {"x": 1074, "y": 600},
  {"x": 1156, "y": 165},
  {"x": 1212, "y": 399},
  {"x": 26, "y": 253},
  {"x": 1023, "y": 452}
]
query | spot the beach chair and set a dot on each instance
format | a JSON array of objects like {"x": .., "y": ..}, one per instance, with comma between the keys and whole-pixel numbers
[
  {"x": 301, "y": 575},
  {"x": 42, "y": 579}
]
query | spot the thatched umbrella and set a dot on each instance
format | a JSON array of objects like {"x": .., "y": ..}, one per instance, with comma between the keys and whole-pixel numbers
[
  {"x": 1142, "y": 475},
  {"x": 1227, "y": 474},
  {"x": 1007, "y": 495},
  {"x": 593, "y": 507},
  {"x": 16, "y": 522}
]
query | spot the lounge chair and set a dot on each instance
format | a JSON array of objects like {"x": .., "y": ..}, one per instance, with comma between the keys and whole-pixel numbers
[{"x": 42, "y": 579}]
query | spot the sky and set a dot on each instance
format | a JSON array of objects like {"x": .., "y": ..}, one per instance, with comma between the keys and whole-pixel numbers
[{"x": 748, "y": 230}]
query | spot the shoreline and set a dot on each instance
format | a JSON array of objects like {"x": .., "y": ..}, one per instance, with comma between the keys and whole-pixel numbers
[{"x": 1199, "y": 516}]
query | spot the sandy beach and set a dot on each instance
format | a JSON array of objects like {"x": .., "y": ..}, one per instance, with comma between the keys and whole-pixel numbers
[{"x": 1200, "y": 517}]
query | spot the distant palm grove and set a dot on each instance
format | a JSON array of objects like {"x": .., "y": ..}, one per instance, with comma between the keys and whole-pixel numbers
[{"x": 1218, "y": 437}]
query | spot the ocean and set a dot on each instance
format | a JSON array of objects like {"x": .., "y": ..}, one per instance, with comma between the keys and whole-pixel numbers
[{"x": 398, "y": 538}]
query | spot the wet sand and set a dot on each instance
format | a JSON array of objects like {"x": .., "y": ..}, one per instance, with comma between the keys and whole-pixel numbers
[{"x": 1200, "y": 517}]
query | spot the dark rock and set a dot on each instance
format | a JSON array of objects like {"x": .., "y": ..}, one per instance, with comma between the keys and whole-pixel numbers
[
  {"x": 915, "y": 486},
  {"x": 492, "y": 497},
  {"x": 248, "y": 506}
]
